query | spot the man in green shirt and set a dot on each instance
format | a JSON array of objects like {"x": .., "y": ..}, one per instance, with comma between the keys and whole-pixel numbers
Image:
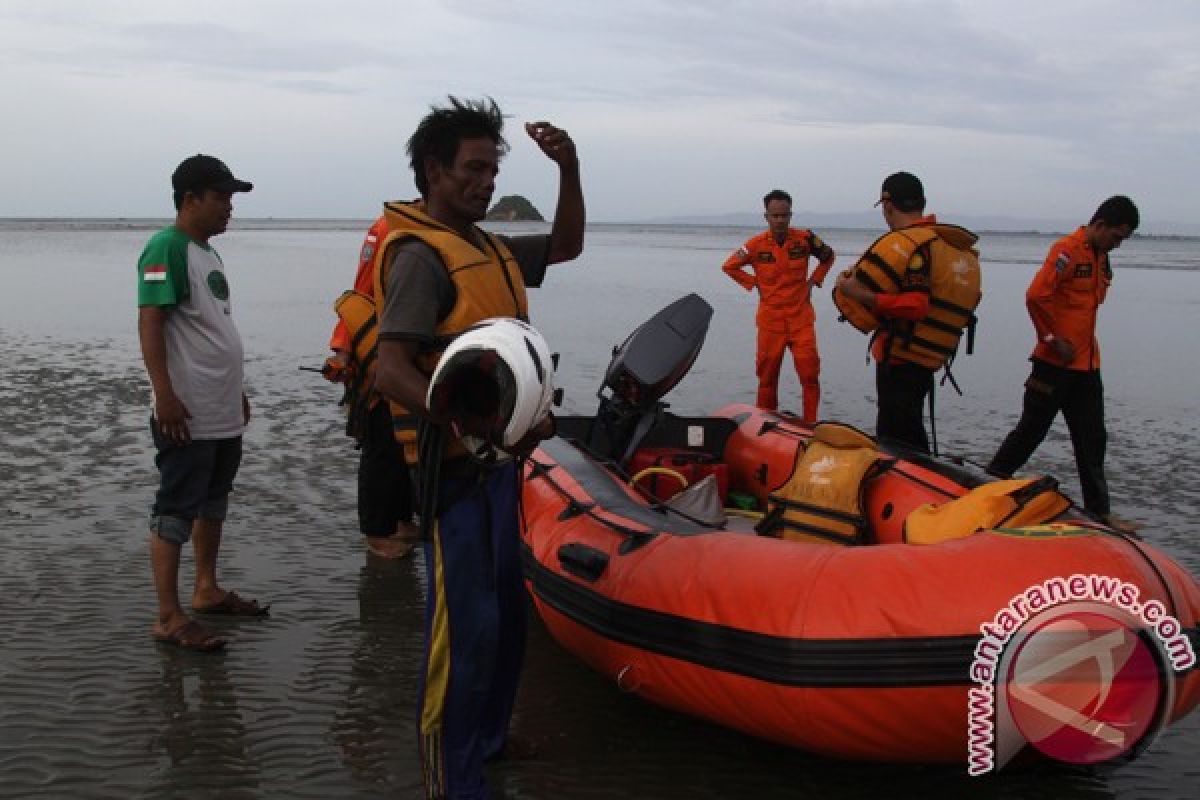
[{"x": 193, "y": 356}]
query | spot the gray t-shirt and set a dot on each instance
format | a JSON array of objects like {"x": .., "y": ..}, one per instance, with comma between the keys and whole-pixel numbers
[
  {"x": 419, "y": 292},
  {"x": 204, "y": 350}
]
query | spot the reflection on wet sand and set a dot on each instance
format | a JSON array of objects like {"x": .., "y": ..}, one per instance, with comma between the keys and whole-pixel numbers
[
  {"x": 374, "y": 728},
  {"x": 201, "y": 732}
]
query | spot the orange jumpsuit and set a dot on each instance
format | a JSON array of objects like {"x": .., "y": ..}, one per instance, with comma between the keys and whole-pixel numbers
[{"x": 785, "y": 315}]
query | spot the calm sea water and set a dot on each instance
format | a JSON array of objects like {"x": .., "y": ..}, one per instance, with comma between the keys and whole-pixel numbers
[{"x": 317, "y": 702}]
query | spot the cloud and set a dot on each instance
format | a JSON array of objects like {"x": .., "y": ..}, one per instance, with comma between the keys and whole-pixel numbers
[{"x": 1016, "y": 105}]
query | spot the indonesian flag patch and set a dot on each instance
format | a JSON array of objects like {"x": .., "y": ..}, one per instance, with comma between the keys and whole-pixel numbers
[{"x": 155, "y": 273}]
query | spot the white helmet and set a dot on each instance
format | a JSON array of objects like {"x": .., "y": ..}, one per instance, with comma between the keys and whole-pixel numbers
[{"x": 499, "y": 369}]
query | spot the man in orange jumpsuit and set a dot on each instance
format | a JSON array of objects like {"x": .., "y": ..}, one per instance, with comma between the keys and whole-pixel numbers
[
  {"x": 385, "y": 493},
  {"x": 778, "y": 260},
  {"x": 1064, "y": 300}
]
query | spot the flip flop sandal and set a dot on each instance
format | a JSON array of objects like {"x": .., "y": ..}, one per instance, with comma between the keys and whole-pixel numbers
[{"x": 234, "y": 605}]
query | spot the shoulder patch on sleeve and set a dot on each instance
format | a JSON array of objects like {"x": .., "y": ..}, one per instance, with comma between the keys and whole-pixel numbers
[{"x": 1062, "y": 262}]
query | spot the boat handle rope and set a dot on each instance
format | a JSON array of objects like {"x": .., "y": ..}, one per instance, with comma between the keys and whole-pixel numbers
[{"x": 676, "y": 474}]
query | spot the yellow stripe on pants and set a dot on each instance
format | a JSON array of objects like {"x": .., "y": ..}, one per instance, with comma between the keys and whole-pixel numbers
[{"x": 437, "y": 676}]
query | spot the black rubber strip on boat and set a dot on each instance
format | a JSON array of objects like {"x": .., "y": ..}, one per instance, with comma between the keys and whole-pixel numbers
[
  {"x": 889, "y": 662},
  {"x": 815, "y": 663},
  {"x": 848, "y": 663}
]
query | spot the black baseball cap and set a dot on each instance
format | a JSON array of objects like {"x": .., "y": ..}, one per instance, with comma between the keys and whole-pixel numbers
[
  {"x": 904, "y": 190},
  {"x": 200, "y": 172}
]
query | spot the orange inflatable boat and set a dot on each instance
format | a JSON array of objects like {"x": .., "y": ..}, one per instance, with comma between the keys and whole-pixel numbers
[{"x": 817, "y": 589}]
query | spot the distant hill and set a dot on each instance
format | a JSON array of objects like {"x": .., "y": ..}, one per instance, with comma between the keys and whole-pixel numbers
[{"x": 514, "y": 208}]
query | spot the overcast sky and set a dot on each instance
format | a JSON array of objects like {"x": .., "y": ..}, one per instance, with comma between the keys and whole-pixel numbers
[{"x": 678, "y": 107}]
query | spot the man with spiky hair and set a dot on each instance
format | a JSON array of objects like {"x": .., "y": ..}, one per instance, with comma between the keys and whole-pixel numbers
[
  {"x": 1064, "y": 301},
  {"x": 438, "y": 275}
]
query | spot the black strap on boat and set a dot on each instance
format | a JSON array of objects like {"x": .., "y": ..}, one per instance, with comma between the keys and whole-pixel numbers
[
  {"x": 536, "y": 468},
  {"x": 647, "y": 421},
  {"x": 778, "y": 426},
  {"x": 821, "y": 511},
  {"x": 932, "y": 416},
  {"x": 574, "y": 509},
  {"x": 947, "y": 375},
  {"x": 761, "y": 473}
]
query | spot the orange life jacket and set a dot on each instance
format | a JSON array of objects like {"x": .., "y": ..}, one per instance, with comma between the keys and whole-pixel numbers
[
  {"x": 358, "y": 319},
  {"x": 364, "y": 281},
  {"x": 822, "y": 502},
  {"x": 488, "y": 283},
  {"x": 954, "y": 290}
]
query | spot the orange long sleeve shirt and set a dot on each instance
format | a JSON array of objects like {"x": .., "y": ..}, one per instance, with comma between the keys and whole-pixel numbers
[{"x": 1064, "y": 300}]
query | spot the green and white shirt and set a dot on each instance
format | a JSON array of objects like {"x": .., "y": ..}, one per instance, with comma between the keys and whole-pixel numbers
[{"x": 204, "y": 349}]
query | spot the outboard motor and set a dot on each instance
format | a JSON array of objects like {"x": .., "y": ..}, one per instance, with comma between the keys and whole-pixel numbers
[{"x": 652, "y": 360}]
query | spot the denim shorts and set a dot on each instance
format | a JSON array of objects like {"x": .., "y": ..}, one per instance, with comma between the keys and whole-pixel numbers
[{"x": 195, "y": 480}]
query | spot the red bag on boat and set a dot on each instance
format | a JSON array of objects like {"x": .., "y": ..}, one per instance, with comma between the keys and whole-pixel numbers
[{"x": 691, "y": 465}]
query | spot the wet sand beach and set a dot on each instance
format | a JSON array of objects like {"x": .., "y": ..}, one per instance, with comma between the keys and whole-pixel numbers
[{"x": 316, "y": 700}]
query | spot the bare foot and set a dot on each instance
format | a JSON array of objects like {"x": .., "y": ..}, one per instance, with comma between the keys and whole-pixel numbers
[
  {"x": 389, "y": 547},
  {"x": 1120, "y": 524}
]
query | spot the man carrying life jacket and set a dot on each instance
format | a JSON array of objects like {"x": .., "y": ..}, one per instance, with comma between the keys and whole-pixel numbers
[
  {"x": 778, "y": 260},
  {"x": 917, "y": 287},
  {"x": 385, "y": 494},
  {"x": 1063, "y": 301},
  {"x": 438, "y": 275}
]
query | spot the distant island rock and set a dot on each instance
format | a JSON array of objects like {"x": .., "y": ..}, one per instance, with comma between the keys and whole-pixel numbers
[{"x": 514, "y": 208}]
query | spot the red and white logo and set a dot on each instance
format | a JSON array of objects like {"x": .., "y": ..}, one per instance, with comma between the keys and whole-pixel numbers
[
  {"x": 1083, "y": 687},
  {"x": 1079, "y": 667}
]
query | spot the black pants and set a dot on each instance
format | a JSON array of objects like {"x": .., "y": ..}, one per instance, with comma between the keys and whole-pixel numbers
[
  {"x": 902, "y": 389},
  {"x": 1080, "y": 397},
  {"x": 385, "y": 490}
]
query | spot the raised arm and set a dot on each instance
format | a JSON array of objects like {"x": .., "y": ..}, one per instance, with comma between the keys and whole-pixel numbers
[{"x": 570, "y": 217}]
